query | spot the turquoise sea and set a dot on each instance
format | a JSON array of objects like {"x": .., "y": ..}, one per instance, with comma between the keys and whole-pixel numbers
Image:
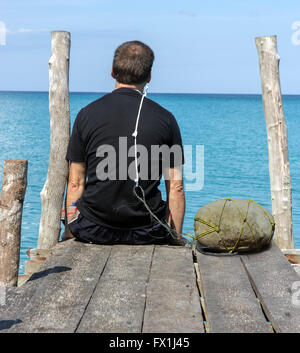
[{"x": 231, "y": 128}]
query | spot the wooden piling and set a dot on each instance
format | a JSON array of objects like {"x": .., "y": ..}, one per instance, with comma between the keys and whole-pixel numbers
[
  {"x": 54, "y": 188},
  {"x": 279, "y": 168},
  {"x": 11, "y": 205}
]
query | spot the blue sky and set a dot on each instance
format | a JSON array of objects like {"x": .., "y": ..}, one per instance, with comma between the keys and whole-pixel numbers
[{"x": 200, "y": 46}]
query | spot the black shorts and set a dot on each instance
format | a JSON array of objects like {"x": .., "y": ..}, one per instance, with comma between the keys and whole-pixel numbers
[{"x": 89, "y": 232}]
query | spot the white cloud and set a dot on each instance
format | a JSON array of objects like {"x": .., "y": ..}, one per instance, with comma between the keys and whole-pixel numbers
[
  {"x": 27, "y": 30},
  {"x": 187, "y": 13}
]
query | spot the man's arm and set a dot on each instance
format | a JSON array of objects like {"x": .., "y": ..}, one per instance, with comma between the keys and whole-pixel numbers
[
  {"x": 175, "y": 197},
  {"x": 76, "y": 184}
]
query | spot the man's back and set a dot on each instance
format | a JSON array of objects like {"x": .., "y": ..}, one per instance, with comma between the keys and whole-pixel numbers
[{"x": 102, "y": 138}]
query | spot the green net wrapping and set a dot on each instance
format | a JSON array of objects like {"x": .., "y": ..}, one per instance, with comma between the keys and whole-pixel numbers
[{"x": 233, "y": 225}]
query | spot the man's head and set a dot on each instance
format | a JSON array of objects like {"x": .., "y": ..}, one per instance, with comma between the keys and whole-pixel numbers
[{"x": 132, "y": 63}]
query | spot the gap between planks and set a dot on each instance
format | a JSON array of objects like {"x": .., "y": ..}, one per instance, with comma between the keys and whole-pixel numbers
[
  {"x": 146, "y": 288},
  {"x": 200, "y": 289},
  {"x": 202, "y": 297},
  {"x": 258, "y": 300}
]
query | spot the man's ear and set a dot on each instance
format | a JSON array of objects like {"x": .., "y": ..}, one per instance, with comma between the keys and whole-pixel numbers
[
  {"x": 112, "y": 74},
  {"x": 149, "y": 78}
]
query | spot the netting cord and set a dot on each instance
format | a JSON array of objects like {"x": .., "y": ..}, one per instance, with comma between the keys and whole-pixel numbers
[{"x": 172, "y": 232}]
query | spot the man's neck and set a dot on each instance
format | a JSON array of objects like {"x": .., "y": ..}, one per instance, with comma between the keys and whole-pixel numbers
[{"x": 136, "y": 87}]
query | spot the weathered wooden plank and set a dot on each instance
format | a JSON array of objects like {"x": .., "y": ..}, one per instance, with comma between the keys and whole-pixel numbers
[
  {"x": 172, "y": 262},
  {"x": 54, "y": 299},
  {"x": 172, "y": 303},
  {"x": 118, "y": 302},
  {"x": 230, "y": 302},
  {"x": 36, "y": 259},
  {"x": 293, "y": 258},
  {"x": 11, "y": 205},
  {"x": 17, "y": 299},
  {"x": 296, "y": 268},
  {"x": 272, "y": 278},
  {"x": 52, "y": 194},
  {"x": 279, "y": 166}
]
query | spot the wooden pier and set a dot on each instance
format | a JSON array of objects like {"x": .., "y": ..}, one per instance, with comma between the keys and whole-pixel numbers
[
  {"x": 145, "y": 289},
  {"x": 136, "y": 289}
]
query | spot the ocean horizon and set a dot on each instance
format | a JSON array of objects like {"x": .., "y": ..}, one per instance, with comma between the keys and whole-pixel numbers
[
  {"x": 162, "y": 93},
  {"x": 231, "y": 127}
]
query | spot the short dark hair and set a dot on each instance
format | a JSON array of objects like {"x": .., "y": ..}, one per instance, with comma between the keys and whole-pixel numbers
[{"x": 132, "y": 62}]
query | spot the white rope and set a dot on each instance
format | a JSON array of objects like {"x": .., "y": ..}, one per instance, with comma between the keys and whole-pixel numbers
[{"x": 135, "y": 134}]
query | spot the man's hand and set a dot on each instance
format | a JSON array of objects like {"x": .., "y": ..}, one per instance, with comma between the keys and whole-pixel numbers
[
  {"x": 175, "y": 197},
  {"x": 76, "y": 184}
]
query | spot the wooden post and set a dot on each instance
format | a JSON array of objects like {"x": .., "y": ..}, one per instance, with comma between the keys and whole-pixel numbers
[
  {"x": 53, "y": 191},
  {"x": 11, "y": 204},
  {"x": 279, "y": 167}
]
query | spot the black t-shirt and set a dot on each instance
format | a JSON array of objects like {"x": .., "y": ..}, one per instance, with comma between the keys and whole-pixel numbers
[{"x": 99, "y": 135}]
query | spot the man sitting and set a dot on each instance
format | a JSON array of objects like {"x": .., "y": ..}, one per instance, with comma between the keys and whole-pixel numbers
[{"x": 121, "y": 144}]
